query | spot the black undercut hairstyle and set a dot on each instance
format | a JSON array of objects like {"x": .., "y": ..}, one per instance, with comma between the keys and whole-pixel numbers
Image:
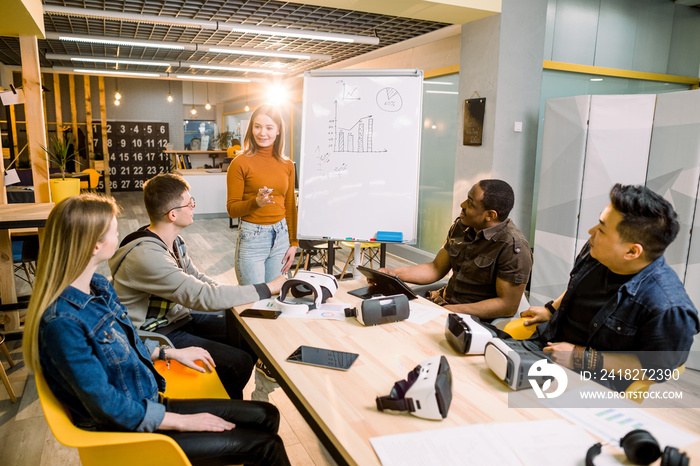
[
  {"x": 498, "y": 196},
  {"x": 647, "y": 218}
]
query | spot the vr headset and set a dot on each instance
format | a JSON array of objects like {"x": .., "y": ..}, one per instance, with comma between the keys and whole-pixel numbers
[
  {"x": 426, "y": 393},
  {"x": 466, "y": 334},
  {"x": 511, "y": 361},
  {"x": 306, "y": 283},
  {"x": 381, "y": 310}
]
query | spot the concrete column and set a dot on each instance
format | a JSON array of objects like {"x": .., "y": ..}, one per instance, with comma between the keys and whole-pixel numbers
[{"x": 501, "y": 60}]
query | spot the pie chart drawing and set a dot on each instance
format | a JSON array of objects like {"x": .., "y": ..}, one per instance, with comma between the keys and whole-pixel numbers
[{"x": 389, "y": 99}]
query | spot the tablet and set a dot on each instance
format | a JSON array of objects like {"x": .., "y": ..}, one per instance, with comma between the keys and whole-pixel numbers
[
  {"x": 384, "y": 285},
  {"x": 323, "y": 357}
]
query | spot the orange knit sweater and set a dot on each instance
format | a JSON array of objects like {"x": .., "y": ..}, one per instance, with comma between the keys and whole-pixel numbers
[{"x": 246, "y": 175}]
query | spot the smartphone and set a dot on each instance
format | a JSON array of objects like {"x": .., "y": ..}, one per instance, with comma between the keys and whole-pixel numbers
[
  {"x": 261, "y": 313},
  {"x": 323, "y": 357}
]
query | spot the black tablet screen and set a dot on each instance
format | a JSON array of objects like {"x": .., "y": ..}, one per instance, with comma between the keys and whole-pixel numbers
[{"x": 323, "y": 357}]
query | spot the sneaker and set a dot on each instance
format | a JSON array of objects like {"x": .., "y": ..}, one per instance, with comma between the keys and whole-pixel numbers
[{"x": 262, "y": 368}]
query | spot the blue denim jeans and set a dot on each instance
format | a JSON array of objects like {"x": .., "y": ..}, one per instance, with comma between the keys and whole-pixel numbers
[{"x": 259, "y": 251}]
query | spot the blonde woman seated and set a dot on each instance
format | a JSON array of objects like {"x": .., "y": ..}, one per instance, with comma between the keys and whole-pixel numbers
[{"x": 79, "y": 335}]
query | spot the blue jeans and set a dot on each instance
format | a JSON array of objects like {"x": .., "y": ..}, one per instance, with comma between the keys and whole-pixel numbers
[{"x": 259, "y": 251}]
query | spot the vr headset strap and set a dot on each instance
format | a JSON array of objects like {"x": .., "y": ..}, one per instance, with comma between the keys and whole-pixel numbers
[{"x": 396, "y": 401}]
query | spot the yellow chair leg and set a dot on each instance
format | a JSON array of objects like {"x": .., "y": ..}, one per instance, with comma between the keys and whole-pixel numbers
[
  {"x": 3, "y": 374},
  {"x": 7, "y": 354},
  {"x": 347, "y": 262},
  {"x": 301, "y": 257}
]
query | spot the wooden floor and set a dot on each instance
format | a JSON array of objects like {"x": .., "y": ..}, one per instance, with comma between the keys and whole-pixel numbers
[{"x": 26, "y": 440}]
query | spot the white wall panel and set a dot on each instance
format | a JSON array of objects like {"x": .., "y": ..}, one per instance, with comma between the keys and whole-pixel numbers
[
  {"x": 674, "y": 166},
  {"x": 617, "y": 151},
  {"x": 561, "y": 175}
]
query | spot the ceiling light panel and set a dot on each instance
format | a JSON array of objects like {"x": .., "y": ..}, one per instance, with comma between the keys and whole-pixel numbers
[{"x": 253, "y": 12}]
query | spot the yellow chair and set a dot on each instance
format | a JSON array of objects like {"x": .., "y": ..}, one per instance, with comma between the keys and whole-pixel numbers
[
  {"x": 108, "y": 448},
  {"x": 636, "y": 389},
  {"x": 373, "y": 251},
  {"x": 517, "y": 329},
  {"x": 94, "y": 179}
]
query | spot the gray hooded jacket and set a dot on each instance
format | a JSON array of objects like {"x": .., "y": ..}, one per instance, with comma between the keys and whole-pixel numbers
[{"x": 159, "y": 288}]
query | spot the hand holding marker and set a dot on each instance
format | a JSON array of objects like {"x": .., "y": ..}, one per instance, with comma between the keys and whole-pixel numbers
[{"x": 264, "y": 196}]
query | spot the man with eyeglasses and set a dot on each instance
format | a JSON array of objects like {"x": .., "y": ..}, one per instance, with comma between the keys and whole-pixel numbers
[{"x": 156, "y": 280}]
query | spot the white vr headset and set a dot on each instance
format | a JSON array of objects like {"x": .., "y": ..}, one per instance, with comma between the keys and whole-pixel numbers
[
  {"x": 427, "y": 392},
  {"x": 511, "y": 362},
  {"x": 305, "y": 284},
  {"x": 466, "y": 334}
]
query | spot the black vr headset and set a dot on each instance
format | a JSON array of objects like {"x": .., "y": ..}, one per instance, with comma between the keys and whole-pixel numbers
[{"x": 427, "y": 392}]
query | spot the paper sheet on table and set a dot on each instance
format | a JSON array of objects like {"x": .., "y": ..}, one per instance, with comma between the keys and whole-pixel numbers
[
  {"x": 327, "y": 311},
  {"x": 421, "y": 313},
  {"x": 537, "y": 443},
  {"x": 613, "y": 423}
]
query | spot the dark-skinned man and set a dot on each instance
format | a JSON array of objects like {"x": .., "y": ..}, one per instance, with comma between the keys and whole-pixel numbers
[{"x": 489, "y": 257}]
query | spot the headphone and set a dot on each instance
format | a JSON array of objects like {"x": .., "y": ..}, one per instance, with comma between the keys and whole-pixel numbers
[{"x": 642, "y": 448}]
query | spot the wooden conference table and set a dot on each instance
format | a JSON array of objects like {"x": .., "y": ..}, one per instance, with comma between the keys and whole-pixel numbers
[
  {"x": 16, "y": 216},
  {"x": 340, "y": 405}
]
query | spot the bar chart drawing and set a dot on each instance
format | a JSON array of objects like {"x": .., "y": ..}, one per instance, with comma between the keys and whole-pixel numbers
[{"x": 357, "y": 138}]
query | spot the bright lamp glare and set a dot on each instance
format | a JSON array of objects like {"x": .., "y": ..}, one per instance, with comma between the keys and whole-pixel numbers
[
  {"x": 170, "y": 97},
  {"x": 116, "y": 102},
  {"x": 277, "y": 95}
]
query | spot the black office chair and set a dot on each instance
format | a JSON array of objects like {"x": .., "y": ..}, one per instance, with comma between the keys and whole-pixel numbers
[{"x": 25, "y": 252}]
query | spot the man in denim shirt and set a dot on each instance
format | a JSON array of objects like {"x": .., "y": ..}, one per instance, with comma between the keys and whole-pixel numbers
[
  {"x": 489, "y": 257},
  {"x": 622, "y": 296}
]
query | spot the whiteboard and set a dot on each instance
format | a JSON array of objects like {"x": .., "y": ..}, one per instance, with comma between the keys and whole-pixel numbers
[{"x": 360, "y": 154}]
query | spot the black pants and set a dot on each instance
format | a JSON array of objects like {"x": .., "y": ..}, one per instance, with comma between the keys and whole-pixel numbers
[
  {"x": 233, "y": 358},
  {"x": 254, "y": 440}
]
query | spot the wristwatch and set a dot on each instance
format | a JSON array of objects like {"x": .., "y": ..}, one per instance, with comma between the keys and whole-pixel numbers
[
  {"x": 162, "y": 356},
  {"x": 549, "y": 306}
]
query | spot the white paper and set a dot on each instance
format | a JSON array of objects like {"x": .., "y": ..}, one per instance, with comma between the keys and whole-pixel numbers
[
  {"x": 613, "y": 423},
  {"x": 11, "y": 177},
  {"x": 537, "y": 443},
  {"x": 327, "y": 311},
  {"x": 421, "y": 313}
]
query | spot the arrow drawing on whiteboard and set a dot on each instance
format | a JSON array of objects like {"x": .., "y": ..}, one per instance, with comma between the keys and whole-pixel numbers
[
  {"x": 357, "y": 138},
  {"x": 349, "y": 92}
]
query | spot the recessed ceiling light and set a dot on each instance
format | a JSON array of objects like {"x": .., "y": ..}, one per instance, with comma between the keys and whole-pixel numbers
[
  {"x": 214, "y": 78},
  {"x": 129, "y": 43},
  {"x": 119, "y": 73}
]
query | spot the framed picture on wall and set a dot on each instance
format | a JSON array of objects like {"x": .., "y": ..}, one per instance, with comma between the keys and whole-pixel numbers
[
  {"x": 473, "y": 121},
  {"x": 198, "y": 133}
]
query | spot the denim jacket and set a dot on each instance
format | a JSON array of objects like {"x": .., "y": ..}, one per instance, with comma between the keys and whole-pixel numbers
[
  {"x": 95, "y": 363},
  {"x": 651, "y": 312}
]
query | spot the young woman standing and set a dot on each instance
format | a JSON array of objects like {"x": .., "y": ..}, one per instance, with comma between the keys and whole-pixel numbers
[{"x": 260, "y": 184}]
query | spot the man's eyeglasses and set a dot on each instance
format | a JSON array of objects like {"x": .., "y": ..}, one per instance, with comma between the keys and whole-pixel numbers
[{"x": 192, "y": 204}]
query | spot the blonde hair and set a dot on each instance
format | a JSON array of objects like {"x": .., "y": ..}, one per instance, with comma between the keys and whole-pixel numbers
[
  {"x": 72, "y": 230},
  {"x": 250, "y": 146}
]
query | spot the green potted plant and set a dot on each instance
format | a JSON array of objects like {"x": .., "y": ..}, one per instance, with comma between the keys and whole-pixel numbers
[
  {"x": 60, "y": 152},
  {"x": 223, "y": 140}
]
